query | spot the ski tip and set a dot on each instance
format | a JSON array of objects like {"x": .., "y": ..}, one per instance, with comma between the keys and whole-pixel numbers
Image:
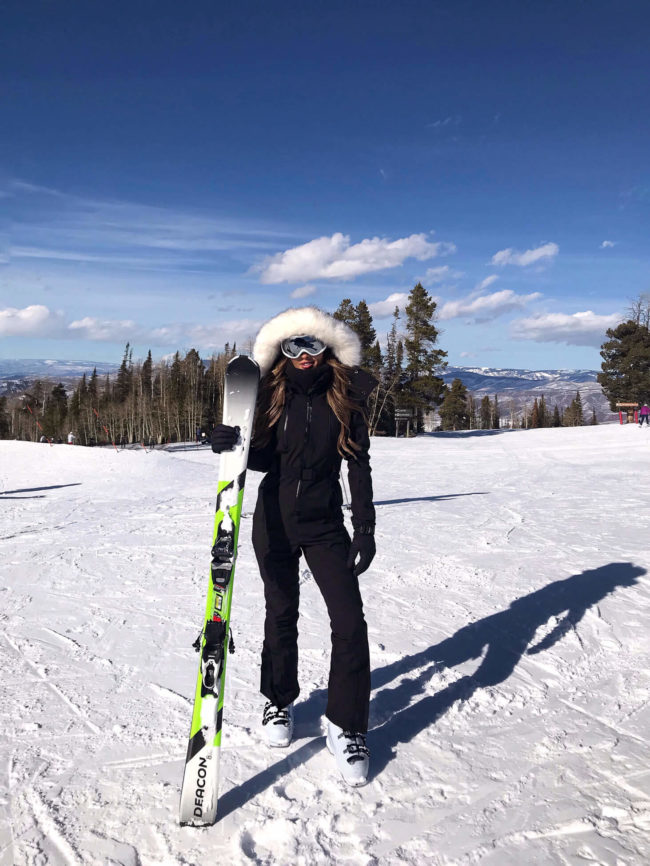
[{"x": 243, "y": 363}]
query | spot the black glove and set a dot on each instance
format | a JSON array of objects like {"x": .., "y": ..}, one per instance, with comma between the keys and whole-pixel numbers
[
  {"x": 224, "y": 438},
  {"x": 363, "y": 545}
]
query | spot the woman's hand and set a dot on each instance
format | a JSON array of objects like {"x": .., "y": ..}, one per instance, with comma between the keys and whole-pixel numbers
[
  {"x": 363, "y": 546},
  {"x": 224, "y": 438}
]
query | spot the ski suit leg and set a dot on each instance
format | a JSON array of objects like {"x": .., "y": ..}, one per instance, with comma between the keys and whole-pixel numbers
[
  {"x": 278, "y": 565},
  {"x": 348, "y": 694}
]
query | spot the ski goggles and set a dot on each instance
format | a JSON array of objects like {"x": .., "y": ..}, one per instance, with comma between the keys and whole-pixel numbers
[{"x": 293, "y": 347}]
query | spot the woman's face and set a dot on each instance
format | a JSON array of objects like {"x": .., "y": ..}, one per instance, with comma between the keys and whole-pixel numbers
[{"x": 306, "y": 362}]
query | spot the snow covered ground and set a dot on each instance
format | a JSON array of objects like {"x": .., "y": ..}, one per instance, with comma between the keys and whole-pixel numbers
[{"x": 508, "y": 610}]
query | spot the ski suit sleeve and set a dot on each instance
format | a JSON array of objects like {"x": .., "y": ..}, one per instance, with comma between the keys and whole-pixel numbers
[
  {"x": 261, "y": 459},
  {"x": 359, "y": 476}
]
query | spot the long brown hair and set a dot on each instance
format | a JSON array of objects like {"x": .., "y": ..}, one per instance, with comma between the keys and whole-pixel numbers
[{"x": 272, "y": 397}]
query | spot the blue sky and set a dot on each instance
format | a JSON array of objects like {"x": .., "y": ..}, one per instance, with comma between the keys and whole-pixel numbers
[{"x": 174, "y": 174}]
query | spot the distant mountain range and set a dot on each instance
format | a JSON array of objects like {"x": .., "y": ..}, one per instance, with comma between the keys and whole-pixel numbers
[
  {"x": 515, "y": 388},
  {"x": 519, "y": 388},
  {"x": 17, "y": 375}
]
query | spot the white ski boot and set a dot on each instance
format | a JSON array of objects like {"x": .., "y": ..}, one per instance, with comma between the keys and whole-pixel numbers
[
  {"x": 351, "y": 754},
  {"x": 277, "y": 725}
]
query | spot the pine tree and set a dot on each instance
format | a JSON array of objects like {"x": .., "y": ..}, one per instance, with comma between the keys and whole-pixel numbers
[
  {"x": 35, "y": 399},
  {"x": 4, "y": 419},
  {"x": 454, "y": 413},
  {"x": 176, "y": 390},
  {"x": 496, "y": 414},
  {"x": 367, "y": 335},
  {"x": 345, "y": 312},
  {"x": 146, "y": 377},
  {"x": 557, "y": 420},
  {"x": 423, "y": 388},
  {"x": 375, "y": 359},
  {"x": 486, "y": 413},
  {"x": 625, "y": 376},
  {"x": 93, "y": 390},
  {"x": 594, "y": 419},
  {"x": 84, "y": 422},
  {"x": 577, "y": 410},
  {"x": 55, "y": 412},
  {"x": 543, "y": 412},
  {"x": 359, "y": 319},
  {"x": 534, "y": 418},
  {"x": 123, "y": 381}
]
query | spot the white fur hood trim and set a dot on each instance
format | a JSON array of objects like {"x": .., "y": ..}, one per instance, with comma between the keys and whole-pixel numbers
[{"x": 297, "y": 321}]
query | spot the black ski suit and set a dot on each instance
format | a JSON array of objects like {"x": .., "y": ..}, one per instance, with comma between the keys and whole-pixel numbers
[{"x": 299, "y": 510}]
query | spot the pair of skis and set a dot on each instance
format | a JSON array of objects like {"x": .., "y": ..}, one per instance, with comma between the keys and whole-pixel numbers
[{"x": 200, "y": 787}]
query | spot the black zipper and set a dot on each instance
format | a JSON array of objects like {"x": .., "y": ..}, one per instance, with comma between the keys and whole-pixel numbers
[{"x": 307, "y": 429}]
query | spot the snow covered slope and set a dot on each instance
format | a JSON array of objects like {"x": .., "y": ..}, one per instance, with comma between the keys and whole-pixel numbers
[{"x": 508, "y": 612}]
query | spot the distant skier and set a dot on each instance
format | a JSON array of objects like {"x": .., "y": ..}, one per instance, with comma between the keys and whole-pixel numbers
[
  {"x": 71, "y": 438},
  {"x": 310, "y": 415},
  {"x": 644, "y": 415}
]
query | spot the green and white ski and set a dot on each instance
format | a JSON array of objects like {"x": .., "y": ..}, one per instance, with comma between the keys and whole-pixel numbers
[{"x": 200, "y": 789}]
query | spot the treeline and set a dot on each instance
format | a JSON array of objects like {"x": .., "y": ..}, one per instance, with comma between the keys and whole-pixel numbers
[
  {"x": 460, "y": 410},
  {"x": 167, "y": 401},
  {"x": 146, "y": 402}
]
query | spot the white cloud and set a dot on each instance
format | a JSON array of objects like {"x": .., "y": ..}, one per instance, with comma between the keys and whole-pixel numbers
[
  {"x": 215, "y": 336},
  {"x": 382, "y": 309},
  {"x": 335, "y": 258},
  {"x": 180, "y": 334},
  {"x": 607, "y": 245},
  {"x": 486, "y": 282},
  {"x": 39, "y": 321},
  {"x": 576, "y": 329},
  {"x": 486, "y": 307},
  {"x": 303, "y": 291},
  {"x": 440, "y": 274},
  {"x": 35, "y": 320},
  {"x": 104, "y": 330},
  {"x": 57, "y": 226},
  {"x": 529, "y": 257},
  {"x": 436, "y": 275},
  {"x": 204, "y": 338}
]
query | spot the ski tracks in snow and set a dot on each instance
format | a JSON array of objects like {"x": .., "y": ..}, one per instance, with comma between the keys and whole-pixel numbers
[{"x": 507, "y": 612}]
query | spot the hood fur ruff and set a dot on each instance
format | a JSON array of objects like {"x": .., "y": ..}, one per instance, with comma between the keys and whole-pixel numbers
[{"x": 299, "y": 321}]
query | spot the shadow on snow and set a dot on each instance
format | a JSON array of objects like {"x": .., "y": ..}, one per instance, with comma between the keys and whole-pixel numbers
[
  {"x": 37, "y": 489},
  {"x": 504, "y": 637},
  {"x": 441, "y": 498},
  {"x": 466, "y": 434}
]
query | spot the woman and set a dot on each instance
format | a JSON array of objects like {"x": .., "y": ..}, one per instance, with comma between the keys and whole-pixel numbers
[{"x": 309, "y": 417}]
